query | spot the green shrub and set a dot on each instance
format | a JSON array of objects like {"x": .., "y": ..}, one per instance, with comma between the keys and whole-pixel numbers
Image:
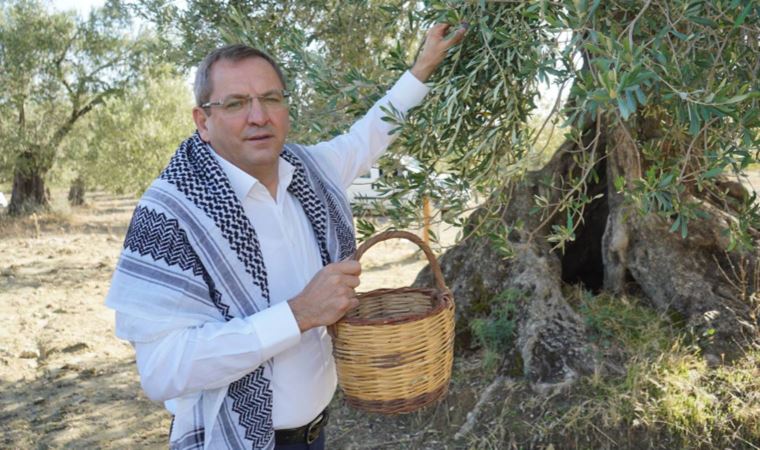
[{"x": 496, "y": 332}]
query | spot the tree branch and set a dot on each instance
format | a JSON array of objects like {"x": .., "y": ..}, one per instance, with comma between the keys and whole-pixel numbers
[
  {"x": 77, "y": 114},
  {"x": 632, "y": 25}
]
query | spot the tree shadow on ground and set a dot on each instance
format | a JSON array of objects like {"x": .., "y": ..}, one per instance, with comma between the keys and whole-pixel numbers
[
  {"x": 72, "y": 406},
  {"x": 103, "y": 214},
  {"x": 432, "y": 427},
  {"x": 38, "y": 273}
]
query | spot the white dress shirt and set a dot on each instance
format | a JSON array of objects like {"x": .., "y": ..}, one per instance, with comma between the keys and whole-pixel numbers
[{"x": 185, "y": 363}]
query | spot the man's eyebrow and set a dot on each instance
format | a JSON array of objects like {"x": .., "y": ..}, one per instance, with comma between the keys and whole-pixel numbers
[
  {"x": 230, "y": 96},
  {"x": 273, "y": 91},
  {"x": 269, "y": 92}
]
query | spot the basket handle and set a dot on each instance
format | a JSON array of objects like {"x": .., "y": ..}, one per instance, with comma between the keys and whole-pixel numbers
[{"x": 391, "y": 234}]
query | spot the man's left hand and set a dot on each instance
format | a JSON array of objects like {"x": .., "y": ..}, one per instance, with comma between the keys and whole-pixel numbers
[{"x": 434, "y": 49}]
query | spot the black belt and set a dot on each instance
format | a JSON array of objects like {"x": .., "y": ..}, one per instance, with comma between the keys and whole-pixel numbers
[{"x": 302, "y": 435}]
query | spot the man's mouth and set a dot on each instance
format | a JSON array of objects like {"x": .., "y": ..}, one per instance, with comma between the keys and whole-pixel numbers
[{"x": 258, "y": 137}]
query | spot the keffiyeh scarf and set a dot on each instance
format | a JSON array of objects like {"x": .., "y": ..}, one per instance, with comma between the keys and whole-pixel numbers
[{"x": 192, "y": 255}]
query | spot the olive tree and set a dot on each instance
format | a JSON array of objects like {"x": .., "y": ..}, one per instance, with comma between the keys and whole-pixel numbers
[
  {"x": 661, "y": 123},
  {"x": 57, "y": 68}
]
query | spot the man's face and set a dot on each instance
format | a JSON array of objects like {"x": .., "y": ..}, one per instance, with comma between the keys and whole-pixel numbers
[{"x": 251, "y": 139}]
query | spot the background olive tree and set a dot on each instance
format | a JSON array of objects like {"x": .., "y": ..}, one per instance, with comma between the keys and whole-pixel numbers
[
  {"x": 57, "y": 69},
  {"x": 125, "y": 146}
]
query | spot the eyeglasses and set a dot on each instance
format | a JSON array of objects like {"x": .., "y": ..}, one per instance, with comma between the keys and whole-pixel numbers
[{"x": 235, "y": 105}]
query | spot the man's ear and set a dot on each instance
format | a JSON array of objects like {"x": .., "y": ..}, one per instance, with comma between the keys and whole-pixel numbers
[{"x": 200, "y": 117}]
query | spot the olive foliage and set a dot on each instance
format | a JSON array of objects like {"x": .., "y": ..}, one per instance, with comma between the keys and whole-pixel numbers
[
  {"x": 125, "y": 146},
  {"x": 680, "y": 75}
]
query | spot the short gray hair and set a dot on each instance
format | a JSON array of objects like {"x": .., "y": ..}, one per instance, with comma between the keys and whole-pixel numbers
[{"x": 234, "y": 52}]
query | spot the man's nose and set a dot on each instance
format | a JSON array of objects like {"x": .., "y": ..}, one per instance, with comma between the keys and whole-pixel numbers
[{"x": 257, "y": 113}]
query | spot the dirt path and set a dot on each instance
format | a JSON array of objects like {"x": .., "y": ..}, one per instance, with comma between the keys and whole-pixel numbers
[{"x": 66, "y": 381}]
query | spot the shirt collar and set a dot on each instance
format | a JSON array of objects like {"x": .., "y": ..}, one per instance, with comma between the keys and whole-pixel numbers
[{"x": 242, "y": 183}]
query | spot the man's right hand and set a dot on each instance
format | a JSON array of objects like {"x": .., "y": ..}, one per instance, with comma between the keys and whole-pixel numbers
[
  {"x": 328, "y": 296},
  {"x": 434, "y": 49}
]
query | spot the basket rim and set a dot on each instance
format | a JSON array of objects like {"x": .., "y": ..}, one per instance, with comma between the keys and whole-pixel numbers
[{"x": 443, "y": 300}]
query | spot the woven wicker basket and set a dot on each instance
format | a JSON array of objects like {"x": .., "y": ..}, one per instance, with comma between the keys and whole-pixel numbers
[{"x": 395, "y": 351}]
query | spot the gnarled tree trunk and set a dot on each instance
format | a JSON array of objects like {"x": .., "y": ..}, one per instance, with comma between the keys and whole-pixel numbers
[
  {"x": 694, "y": 279},
  {"x": 615, "y": 249},
  {"x": 29, "y": 193}
]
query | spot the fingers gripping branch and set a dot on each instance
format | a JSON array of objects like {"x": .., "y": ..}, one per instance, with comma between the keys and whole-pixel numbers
[{"x": 434, "y": 49}]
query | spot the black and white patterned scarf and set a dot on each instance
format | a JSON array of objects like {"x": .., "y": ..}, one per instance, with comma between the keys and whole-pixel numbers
[{"x": 191, "y": 256}]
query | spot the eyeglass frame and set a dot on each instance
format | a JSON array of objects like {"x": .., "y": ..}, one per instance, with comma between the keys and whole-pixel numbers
[{"x": 247, "y": 98}]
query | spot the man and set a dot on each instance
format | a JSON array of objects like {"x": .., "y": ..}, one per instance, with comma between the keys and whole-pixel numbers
[{"x": 234, "y": 261}]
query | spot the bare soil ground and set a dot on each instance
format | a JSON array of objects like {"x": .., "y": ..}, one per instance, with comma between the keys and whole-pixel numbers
[{"x": 67, "y": 382}]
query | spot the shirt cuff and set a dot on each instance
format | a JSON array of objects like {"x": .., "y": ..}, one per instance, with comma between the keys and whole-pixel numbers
[
  {"x": 276, "y": 328},
  {"x": 407, "y": 93}
]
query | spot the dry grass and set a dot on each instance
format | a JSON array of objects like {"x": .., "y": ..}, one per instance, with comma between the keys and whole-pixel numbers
[{"x": 654, "y": 391}]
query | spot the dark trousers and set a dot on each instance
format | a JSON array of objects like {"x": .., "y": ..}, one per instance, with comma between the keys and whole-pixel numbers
[{"x": 319, "y": 444}]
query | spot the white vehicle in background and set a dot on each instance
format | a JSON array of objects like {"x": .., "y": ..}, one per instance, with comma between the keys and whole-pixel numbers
[
  {"x": 366, "y": 198},
  {"x": 363, "y": 189},
  {"x": 3, "y": 201}
]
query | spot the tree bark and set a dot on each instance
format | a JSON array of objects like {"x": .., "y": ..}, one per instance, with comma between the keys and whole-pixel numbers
[
  {"x": 77, "y": 191},
  {"x": 29, "y": 193},
  {"x": 694, "y": 280},
  {"x": 551, "y": 346}
]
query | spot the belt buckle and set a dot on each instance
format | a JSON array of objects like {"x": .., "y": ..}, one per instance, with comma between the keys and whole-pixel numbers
[{"x": 312, "y": 432}]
